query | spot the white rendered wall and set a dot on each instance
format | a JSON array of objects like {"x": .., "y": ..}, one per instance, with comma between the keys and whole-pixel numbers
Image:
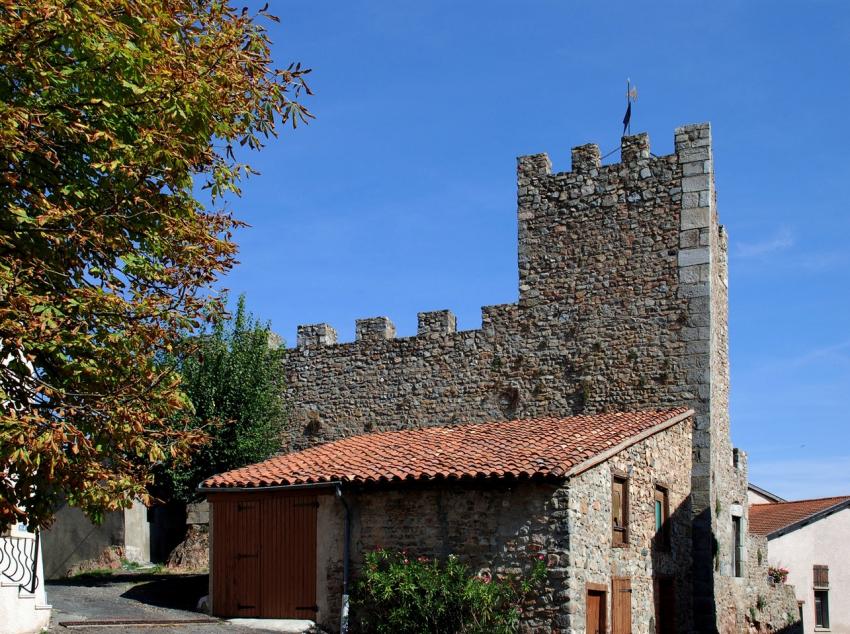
[
  {"x": 824, "y": 542},
  {"x": 754, "y": 497},
  {"x": 20, "y": 611},
  {"x": 137, "y": 533}
]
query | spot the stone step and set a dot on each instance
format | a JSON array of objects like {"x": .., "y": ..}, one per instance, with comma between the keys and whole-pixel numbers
[{"x": 9, "y": 584}]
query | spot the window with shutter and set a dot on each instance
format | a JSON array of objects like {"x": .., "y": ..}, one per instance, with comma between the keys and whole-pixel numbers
[
  {"x": 662, "y": 516},
  {"x": 620, "y": 511}
]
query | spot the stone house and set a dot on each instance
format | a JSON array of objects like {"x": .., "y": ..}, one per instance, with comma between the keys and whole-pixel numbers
[
  {"x": 809, "y": 539},
  {"x": 622, "y": 307},
  {"x": 497, "y": 494}
]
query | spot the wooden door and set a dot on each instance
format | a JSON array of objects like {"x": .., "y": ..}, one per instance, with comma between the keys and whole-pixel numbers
[
  {"x": 621, "y": 605},
  {"x": 264, "y": 555},
  {"x": 236, "y": 558},
  {"x": 665, "y": 606},
  {"x": 289, "y": 557},
  {"x": 595, "y": 608}
]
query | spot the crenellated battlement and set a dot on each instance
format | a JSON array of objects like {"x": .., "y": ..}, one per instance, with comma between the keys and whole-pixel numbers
[
  {"x": 681, "y": 180},
  {"x": 316, "y": 335},
  {"x": 692, "y": 143},
  {"x": 617, "y": 266},
  {"x": 431, "y": 325}
]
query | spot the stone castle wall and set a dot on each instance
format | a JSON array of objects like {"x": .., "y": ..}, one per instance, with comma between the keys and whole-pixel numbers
[
  {"x": 621, "y": 306},
  {"x": 613, "y": 313}
]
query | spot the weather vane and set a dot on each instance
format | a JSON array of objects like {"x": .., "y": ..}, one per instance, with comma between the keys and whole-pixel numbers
[{"x": 631, "y": 95}]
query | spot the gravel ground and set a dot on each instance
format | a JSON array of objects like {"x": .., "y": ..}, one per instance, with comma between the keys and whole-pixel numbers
[{"x": 132, "y": 596}]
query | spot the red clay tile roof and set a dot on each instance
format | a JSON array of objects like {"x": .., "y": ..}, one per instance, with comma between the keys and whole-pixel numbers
[
  {"x": 766, "y": 519},
  {"x": 540, "y": 447}
]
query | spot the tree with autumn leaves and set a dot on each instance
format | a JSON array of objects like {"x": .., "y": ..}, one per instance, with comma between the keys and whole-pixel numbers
[{"x": 114, "y": 114}]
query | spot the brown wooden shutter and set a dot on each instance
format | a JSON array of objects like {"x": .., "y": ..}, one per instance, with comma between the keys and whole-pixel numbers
[
  {"x": 619, "y": 511},
  {"x": 821, "y": 575},
  {"x": 621, "y": 605}
]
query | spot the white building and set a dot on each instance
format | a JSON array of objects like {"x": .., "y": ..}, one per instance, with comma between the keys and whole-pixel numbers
[
  {"x": 811, "y": 539},
  {"x": 757, "y": 495},
  {"x": 23, "y": 604}
]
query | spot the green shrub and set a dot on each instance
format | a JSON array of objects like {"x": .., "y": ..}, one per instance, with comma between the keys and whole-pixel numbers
[{"x": 401, "y": 593}]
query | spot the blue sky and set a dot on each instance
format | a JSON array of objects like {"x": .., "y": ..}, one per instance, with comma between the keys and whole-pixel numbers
[{"x": 400, "y": 197}]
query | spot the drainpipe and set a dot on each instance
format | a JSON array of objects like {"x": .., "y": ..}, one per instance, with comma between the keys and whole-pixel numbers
[{"x": 346, "y": 553}]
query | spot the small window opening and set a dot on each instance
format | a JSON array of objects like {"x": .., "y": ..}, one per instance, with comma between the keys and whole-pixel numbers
[
  {"x": 822, "y": 608},
  {"x": 738, "y": 548},
  {"x": 662, "y": 517},
  {"x": 620, "y": 510}
]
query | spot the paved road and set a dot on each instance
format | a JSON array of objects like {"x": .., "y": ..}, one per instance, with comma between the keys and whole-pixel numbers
[{"x": 133, "y": 596}]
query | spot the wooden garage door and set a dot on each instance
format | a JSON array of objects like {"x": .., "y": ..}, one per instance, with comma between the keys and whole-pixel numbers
[
  {"x": 236, "y": 557},
  {"x": 264, "y": 555},
  {"x": 289, "y": 557}
]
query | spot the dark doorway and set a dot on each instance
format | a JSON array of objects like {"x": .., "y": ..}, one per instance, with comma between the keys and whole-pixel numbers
[{"x": 665, "y": 606}]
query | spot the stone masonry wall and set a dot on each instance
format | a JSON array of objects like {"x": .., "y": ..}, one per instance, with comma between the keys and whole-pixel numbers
[
  {"x": 622, "y": 306},
  {"x": 662, "y": 460},
  {"x": 498, "y": 528}
]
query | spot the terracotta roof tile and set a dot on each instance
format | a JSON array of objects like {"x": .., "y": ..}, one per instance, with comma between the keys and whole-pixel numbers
[
  {"x": 766, "y": 519},
  {"x": 547, "y": 447}
]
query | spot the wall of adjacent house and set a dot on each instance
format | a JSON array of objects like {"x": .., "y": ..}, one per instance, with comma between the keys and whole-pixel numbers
[
  {"x": 497, "y": 527},
  {"x": 622, "y": 305},
  {"x": 73, "y": 539},
  {"x": 754, "y": 497},
  {"x": 823, "y": 542},
  {"x": 661, "y": 460}
]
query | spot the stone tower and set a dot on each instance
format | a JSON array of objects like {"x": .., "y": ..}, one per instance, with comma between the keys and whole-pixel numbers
[{"x": 622, "y": 305}]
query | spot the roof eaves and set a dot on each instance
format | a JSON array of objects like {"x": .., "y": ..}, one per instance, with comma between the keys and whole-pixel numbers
[
  {"x": 260, "y": 488},
  {"x": 628, "y": 442},
  {"x": 809, "y": 519}
]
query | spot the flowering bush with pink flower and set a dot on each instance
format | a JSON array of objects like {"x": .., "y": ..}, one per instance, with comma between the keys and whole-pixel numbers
[
  {"x": 777, "y": 575},
  {"x": 398, "y": 592}
]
